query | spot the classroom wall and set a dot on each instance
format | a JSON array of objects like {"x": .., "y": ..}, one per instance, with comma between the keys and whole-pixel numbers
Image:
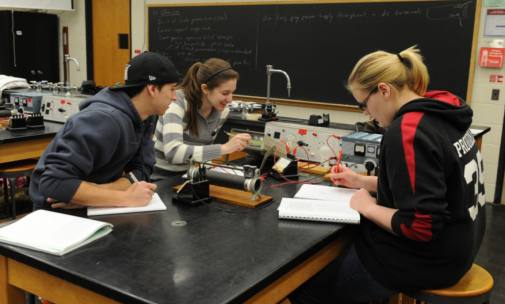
[
  {"x": 76, "y": 23},
  {"x": 486, "y": 111}
]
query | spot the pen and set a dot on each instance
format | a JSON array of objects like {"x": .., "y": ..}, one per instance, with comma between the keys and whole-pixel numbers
[
  {"x": 338, "y": 162},
  {"x": 134, "y": 178}
]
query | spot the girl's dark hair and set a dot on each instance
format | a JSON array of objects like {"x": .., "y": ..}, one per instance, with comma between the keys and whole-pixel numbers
[{"x": 198, "y": 74}]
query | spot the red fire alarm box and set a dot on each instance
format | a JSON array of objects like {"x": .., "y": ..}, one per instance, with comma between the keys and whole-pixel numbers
[{"x": 491, "y": 57}]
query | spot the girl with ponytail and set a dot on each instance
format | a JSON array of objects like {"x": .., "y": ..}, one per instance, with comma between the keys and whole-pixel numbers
[
  {"x": 193, "y": 121},
  {"x": 425, "y": 225}
]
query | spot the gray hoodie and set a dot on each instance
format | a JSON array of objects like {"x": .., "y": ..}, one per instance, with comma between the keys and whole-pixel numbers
[{"x": 106, "y": 138}]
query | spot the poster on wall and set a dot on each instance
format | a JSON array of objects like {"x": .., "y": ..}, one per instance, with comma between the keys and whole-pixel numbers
[{"x": 495, "y": 23}]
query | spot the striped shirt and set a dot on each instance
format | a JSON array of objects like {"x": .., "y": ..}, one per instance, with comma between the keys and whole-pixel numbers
[{"x": 174, "y": 146}]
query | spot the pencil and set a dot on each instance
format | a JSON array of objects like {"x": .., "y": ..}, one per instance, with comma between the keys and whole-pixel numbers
[
  {"x": 134, "y": 178},
  {"x": 338, "y": 162}
]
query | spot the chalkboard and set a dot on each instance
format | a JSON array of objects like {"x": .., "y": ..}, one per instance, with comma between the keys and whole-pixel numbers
[{"x": 316, "y": 44}]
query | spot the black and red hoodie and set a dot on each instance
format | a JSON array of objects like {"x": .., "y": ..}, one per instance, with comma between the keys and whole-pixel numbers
[{"x": 432, "y": 172}]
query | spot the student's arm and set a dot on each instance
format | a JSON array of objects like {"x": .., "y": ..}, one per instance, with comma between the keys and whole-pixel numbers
[
  {"x": 119, "y": 185},
  {"x": 416, "y": 179},
  {"x": 89, "y": 194},
  {"x": 81, "y": 148},
  {"x": 367, "y": 206}
]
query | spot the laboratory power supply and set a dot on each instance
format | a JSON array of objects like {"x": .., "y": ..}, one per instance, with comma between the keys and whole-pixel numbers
[
  {"x": 59, "y": 107},
  {"x": 361, "y": 151},
  {"x": 311, "y": 142}
]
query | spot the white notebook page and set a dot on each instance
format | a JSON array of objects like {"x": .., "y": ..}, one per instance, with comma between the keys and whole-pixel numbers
[{"x": 326, "y": 193}]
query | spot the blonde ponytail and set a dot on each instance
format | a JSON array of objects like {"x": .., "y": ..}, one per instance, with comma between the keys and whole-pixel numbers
[{"x": 398, "y": 70}]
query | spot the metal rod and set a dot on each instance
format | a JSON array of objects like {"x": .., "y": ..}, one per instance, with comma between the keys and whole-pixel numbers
[{"x": 222, "y": 166}]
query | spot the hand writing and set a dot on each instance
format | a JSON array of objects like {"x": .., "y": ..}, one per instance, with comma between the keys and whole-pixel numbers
[
  {"x": 140, "y": 194},
  {"x": 345, "y": 177}
]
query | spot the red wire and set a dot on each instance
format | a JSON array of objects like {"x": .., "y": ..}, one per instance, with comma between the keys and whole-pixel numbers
[
  {"x": 327, "y": 141},
  {"x": 308, "y": 160},
  {"x": 224, "y": 170},
  {"x": 307, "y": 168},
  {"x": 275, "y": 162}
]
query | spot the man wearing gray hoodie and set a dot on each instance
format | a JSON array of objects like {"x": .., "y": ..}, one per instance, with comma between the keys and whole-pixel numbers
[{"x": 95, "y": 155}]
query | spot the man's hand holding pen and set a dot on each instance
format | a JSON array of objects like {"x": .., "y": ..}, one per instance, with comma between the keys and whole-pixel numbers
[{"x": 140, "y": 193}]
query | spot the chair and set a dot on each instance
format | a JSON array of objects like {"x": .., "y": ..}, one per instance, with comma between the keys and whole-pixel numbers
[
  {"x": 473, "y": 288},
  {"x": 12, "y": 171}
]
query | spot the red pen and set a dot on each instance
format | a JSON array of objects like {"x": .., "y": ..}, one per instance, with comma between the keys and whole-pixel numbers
[{"x": 338, "y": 163}]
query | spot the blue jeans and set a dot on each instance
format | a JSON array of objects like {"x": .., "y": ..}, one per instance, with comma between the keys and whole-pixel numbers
[{"x": 344, "y": 280}]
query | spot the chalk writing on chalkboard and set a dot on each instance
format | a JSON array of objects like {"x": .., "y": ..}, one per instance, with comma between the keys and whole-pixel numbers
[
  {"x": 457, "y": 11},
  {"x": 317, "y": 44}
]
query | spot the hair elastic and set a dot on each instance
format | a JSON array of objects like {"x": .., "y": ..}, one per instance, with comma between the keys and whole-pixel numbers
[
  {"x": 216, "y": 74},
  {"x": 400, "y": 57}
]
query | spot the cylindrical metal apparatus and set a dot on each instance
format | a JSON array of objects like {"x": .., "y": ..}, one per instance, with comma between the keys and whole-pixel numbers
[
  {"x": 7, "y": 113},
  {"x": 233, "y": 181},
  {"x": 250, "y": 181}
]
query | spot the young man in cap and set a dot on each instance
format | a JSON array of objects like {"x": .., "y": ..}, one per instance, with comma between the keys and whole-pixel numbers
[{"x": 89, "y": 161}]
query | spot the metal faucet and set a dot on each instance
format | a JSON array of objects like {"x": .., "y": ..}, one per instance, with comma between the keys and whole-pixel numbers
[
  {"x": 67, "y": 81},
  {"x": 268, "y": 105}
]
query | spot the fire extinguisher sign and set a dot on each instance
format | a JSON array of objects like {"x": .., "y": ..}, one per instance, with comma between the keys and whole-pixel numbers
[{"x": 491, "y": 57}]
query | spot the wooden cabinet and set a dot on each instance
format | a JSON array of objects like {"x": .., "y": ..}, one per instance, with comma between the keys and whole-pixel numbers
[{"x": 29, "y": 46}]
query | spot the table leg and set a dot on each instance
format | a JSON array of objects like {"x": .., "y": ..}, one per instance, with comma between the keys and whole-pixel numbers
[{"x": 8, "y": 293}]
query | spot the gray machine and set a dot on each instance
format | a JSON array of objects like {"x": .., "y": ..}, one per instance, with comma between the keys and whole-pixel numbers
[
  {"x": 60, "y": 107},
  {"x": 27, "y": 102},
  {"x": 360, "y": 152},
  {"x": 311, "y": 138}
]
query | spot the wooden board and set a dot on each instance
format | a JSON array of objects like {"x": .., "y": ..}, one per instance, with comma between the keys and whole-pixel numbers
[
  {"x": 313, "y": 169},
  {"x": 233, "y": 196}
]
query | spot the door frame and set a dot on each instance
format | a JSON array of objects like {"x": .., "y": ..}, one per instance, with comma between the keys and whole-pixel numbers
[{"x": 90, "y": 64}]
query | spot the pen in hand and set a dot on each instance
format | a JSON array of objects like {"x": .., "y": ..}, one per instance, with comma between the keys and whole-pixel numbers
[
  {"x": 338, "y": 163},
  {"x": 134, "y": 178}
]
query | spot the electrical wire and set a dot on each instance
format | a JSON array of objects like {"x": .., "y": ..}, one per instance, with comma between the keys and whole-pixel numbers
[
  {"x": 327, "y": 142},
  {"x": 280, "y": 174}
]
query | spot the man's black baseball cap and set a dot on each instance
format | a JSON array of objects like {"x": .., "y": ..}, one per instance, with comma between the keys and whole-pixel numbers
[{"x": 148, "y": 68}]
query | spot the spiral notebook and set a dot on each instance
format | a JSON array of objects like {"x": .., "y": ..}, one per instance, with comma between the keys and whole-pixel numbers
[
  {"x": 318, "y": 210},
  {"x": 320, "y": 203}
]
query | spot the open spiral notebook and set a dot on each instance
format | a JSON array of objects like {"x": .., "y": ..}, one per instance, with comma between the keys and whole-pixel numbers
[{"x": 320, "y": 203}]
